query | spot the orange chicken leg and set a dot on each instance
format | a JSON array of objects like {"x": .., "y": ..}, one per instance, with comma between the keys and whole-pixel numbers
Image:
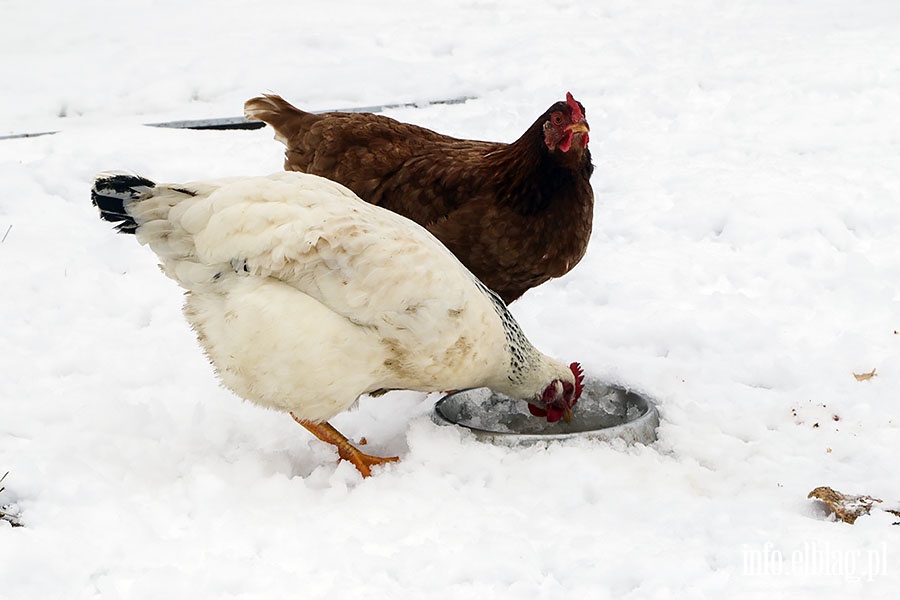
[{"x": 346, "y": 450}]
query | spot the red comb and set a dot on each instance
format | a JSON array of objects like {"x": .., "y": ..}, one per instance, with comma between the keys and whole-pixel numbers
[
  {"x": 578, "y": 372},
  {"x": 577, "y": 115}
]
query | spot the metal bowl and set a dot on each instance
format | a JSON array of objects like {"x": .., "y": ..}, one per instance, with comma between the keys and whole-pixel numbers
[{"x": 604, "y": 412}]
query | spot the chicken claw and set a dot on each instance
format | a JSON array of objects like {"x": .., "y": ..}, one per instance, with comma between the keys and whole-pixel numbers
[{"x": 328, "y": 434}]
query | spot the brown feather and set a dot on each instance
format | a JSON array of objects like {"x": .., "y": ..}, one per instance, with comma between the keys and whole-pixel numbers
[{"x": 515, "y": 214}]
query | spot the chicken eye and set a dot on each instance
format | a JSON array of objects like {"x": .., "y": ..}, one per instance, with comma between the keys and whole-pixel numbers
[{"x": 557, "y": 119}]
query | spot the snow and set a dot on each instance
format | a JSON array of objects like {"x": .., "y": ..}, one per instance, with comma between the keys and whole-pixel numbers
[{"x": 743, "y": 266}]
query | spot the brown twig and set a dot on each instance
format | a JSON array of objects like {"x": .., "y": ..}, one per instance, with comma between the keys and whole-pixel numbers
[
  {"x": 846, "y": 507},
  {"x": 5, "y": 516}
]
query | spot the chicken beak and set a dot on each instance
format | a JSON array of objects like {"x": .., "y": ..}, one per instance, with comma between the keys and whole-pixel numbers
[
  {"x": 579, "y": 127},
  {"x": 567, "y": 413}
]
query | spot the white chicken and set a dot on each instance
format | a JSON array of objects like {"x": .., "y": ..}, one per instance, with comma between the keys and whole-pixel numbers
[{"x": 304, "y": 298}]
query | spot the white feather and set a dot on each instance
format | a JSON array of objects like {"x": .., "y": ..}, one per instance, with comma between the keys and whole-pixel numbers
[{"x": 305, "y": 297}]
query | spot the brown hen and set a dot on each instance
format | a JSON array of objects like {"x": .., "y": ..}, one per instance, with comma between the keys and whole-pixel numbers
[{"x": 515, "y": 214}]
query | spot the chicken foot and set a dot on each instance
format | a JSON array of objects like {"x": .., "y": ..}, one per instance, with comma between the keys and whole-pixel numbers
[{"x": 328, "y": 434}]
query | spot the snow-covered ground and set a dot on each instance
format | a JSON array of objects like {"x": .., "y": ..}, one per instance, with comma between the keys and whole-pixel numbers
[{"x": 744, "y": 265}]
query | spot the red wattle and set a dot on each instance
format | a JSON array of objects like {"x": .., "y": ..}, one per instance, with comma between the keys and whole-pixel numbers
[{"x": 538, "y": 412}]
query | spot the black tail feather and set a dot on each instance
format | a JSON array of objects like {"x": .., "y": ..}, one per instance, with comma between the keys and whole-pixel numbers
[{"x": 112, "y": 192}]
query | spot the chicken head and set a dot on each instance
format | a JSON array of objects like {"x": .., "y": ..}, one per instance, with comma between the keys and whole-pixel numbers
[
  {"x": 566, "y": 125},
  {"x": 559, "y": 397}
]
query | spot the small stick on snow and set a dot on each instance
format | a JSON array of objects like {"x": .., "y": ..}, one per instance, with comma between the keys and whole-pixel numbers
[
  {"x": 846, "y": 507},
  {"x": 865, "y": 376},
  {"x": 12, "y": 519}
]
